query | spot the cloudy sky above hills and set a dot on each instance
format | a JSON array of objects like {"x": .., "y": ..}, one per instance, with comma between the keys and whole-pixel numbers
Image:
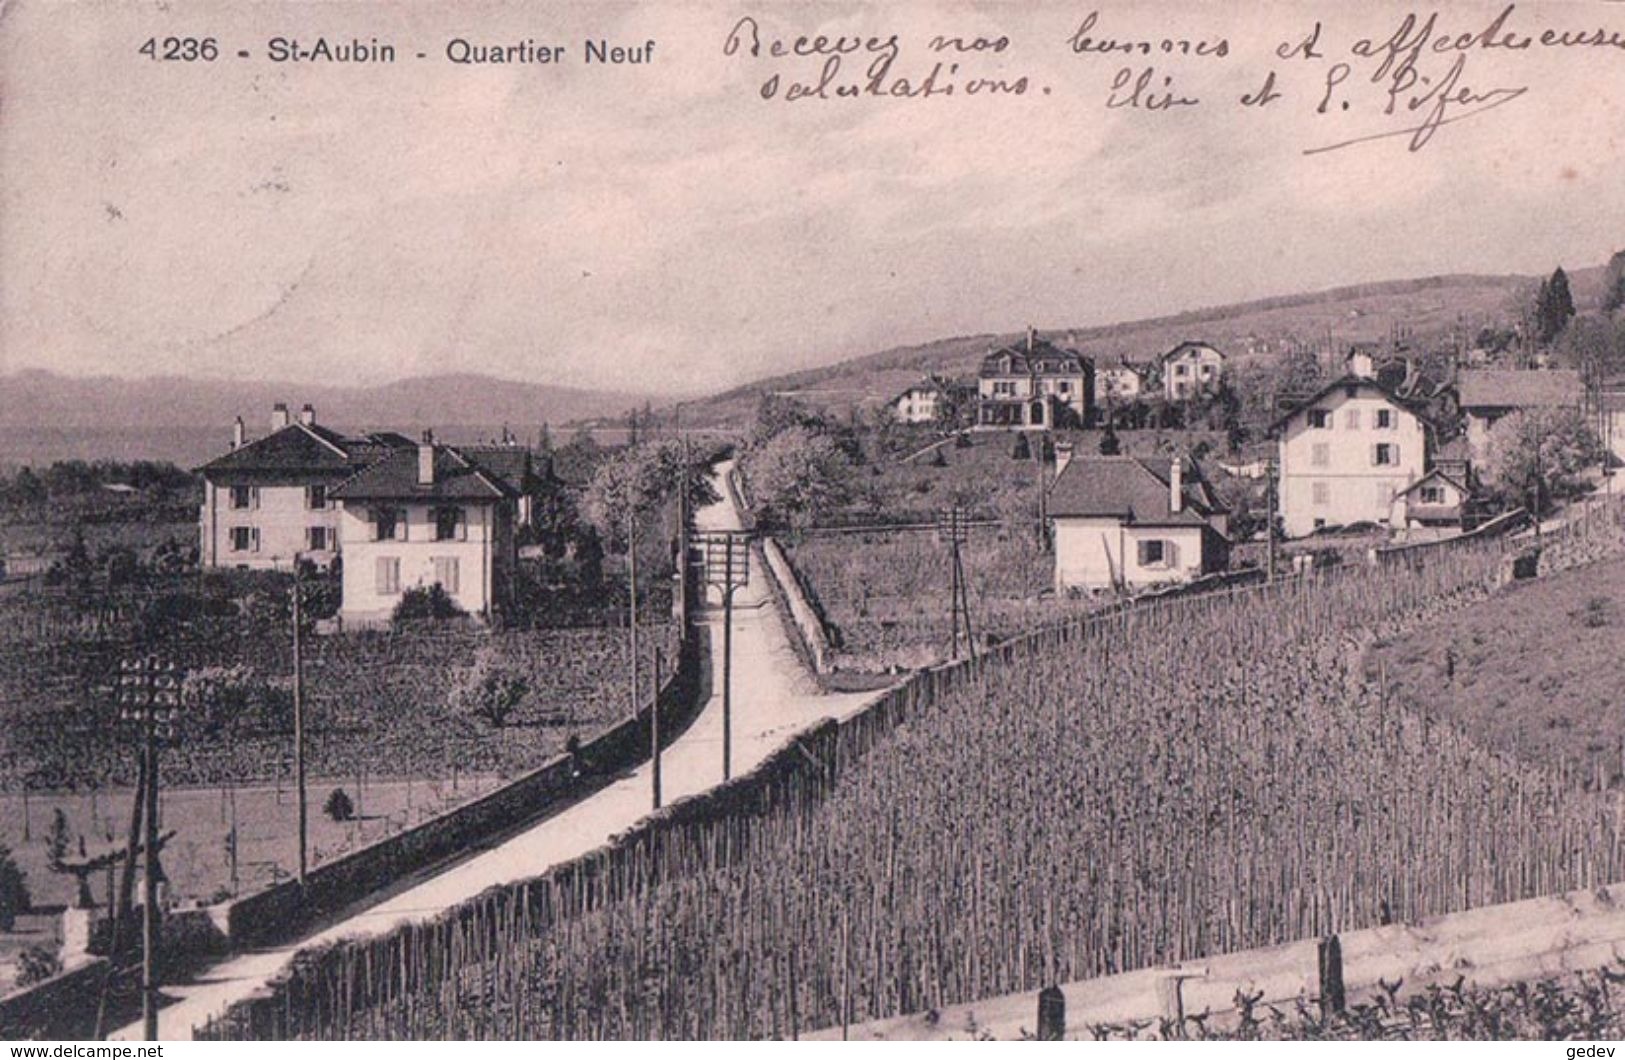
[{"x": 662, "y": 227}]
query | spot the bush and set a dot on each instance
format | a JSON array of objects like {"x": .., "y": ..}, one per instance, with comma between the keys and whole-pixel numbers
[
  {"x": 488, "y": 689},
  {"x": 339, "y": 806},
  {"x": 1022, "y": 449},
  {"x": 432, "y": 603},
  {"x": 36, "y": 964},
  {"x": 14, "y": 898}
]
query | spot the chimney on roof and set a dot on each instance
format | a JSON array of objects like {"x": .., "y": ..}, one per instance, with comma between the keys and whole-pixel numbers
[
  {"x": 1063, "y": 457},
  {"x": 426, "y": 459},
  {"x": 239, "y": 434},
  {"x": 1032, "y": 338},
  {"x": 307, "y": 415},
  {"x": 279, "y": 415},
  {"x": 1176, "y": 485}
]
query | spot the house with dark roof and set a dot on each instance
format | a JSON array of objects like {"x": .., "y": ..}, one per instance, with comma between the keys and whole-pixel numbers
[
  {"x": 1435, "y": 505},
  {"x": 1190, "y": 370},
  {"x": 1345, "y": 453},
  {"x": 1035, "y": 385},
  {"x": 432, "y": 514},
  {"x": 1123, "y": 523},
  {"x": 1489, "y": 395},
  {"x": 267, "y": 502}
]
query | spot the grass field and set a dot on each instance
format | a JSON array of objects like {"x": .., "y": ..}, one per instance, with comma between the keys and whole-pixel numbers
[{"x": 1538, "y": 670}]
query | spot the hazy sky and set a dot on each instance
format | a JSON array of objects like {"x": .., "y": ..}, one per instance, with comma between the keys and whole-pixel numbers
[{"x": 662, "y": 227}]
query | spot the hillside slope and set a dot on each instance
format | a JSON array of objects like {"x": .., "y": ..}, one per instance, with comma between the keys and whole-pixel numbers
[{"x": 1432, "y": 308}]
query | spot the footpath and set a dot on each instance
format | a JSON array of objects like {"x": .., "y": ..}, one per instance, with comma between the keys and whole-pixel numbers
[{"x": 773, "y": 699}]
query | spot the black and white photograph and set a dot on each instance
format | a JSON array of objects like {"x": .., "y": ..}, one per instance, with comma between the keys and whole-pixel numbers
[{"x": 821, "y": 520}]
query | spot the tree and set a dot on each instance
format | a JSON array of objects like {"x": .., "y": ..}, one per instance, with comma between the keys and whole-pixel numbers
[
  {"x": 1022, "y": 449},
  {"x": 799, "y": 474},
  {"x": 1613, "y": 283},
  {"x": 14, "y": 898},
  {"x": 339, "y": 806},
  {"x": 1536, "y": 455},
  {"x": 1595, "y": 346},
  {"x": 637, "y": 480},
  {"x": 1109, "y": 444},
  {"x": 58, "y": 841},
  {"x": 488, "y": 689},
  {"x": 1554, "y": 308}
]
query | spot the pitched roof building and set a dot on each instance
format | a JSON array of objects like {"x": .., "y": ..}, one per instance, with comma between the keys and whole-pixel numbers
[
  {"x": 266, "y": 501},
  {"x": 1123, "y": 522},
  {"x": 1035, "y": 384},
  {"x": 432, "y": 514}
]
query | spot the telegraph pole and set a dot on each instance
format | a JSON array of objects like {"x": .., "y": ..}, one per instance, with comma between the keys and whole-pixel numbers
[
  {"x": 632, "y": 595},
  {"x": 727, "y": 658},
  {"x": 654, "y": 732},
  {"x": 149, "y": 694},
  {"x": 298, "y": 729},
  {"x": 727, "y": 566},
  {"x": 1269, "y": 518},
  {"x": 953, "y": 526}
]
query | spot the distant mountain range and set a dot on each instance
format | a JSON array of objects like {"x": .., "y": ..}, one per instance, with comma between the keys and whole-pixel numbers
[{"x": 48, "y": 401}]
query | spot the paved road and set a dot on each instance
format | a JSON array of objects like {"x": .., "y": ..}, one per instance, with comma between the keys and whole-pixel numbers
[{"x": 773, "y": 697}]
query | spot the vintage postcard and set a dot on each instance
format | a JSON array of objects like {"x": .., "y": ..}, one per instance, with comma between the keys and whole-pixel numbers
[{"x": 812, "y": 519}]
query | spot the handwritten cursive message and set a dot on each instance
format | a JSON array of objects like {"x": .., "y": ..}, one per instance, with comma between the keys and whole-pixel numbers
[{"x": 1407, "y": 79}]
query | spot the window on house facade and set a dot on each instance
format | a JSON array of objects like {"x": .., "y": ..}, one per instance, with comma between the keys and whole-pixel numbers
[
  {"x": 245, "y": 539},
  {"x": 1156, "y": 554},
  {"x": 1320, "y": 524},
  {"x": 1320, "y": 454},
  {"x": 1320, "y": 419},
  {"x": 244, "y": 497},
  {"x": 1385, "y": 419},
  {"x": 446, "y": 572},
  {"x": 1432, "y": 494},
  {"x": 388, "y": 524},
  {"x": 1385, "y": 454},
  {"x": 1321, "y": 493},
  {"x": 319, "y": 538},
  {"x": 316, "y": 496},
  {"x": 1182, "y": 370},
  {"x": 1351, "y": 419},
  {"x": 387, "y": 576},
  {"x": 449, "y": 524}
]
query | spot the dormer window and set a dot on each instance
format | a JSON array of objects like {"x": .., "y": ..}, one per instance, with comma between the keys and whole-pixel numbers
[
  {"x": 1320, "y": 419},
  {"x": 388, "y": 524}
]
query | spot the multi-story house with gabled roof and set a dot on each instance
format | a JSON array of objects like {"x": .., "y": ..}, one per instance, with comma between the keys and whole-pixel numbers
[
  {"x": 267, "y": 503},
  {"x": 1034, "y": 385}
]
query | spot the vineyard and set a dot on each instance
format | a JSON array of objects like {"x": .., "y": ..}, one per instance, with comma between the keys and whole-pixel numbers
[
  {"x": 379, "y": 696},
  {"x": 1148, "y": 785},
  {"x": 1585, "y": 1006}
]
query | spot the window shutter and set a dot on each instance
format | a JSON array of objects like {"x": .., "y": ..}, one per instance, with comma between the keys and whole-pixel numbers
[
  {"x": 1170, "y": 554},
  {"x": 1143, "y": 551},
  {"x": 254, "y": 537},
  {"x": 1375, "y": 449},
  {"x": 1394, "y": 452}
]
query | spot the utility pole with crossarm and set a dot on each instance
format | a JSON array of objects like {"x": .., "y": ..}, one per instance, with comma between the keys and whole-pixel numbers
[{"x": 727, "y": 567}]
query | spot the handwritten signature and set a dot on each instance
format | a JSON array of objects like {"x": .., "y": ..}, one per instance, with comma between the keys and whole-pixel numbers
[{"x": 1441, "y": 102}]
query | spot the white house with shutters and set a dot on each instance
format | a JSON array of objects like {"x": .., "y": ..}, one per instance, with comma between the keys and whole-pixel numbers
[
  {"x": 432, "y": 514},
  {"x": 1124, "y": 523},
  {"x": 267, "y": 503},
  {"x": 1345, "y": 454}
]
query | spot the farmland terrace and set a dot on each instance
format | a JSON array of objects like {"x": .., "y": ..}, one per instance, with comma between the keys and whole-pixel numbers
[
  {"x": 1159, "y": 784},
  {"x": 383, "y": 723}
]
